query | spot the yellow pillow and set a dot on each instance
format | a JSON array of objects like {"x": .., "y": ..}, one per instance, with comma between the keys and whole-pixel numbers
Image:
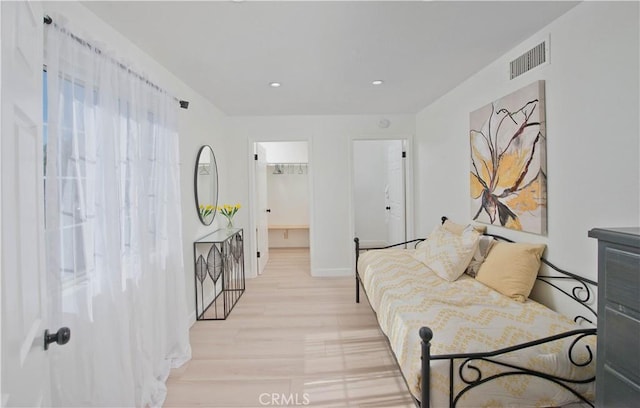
[
  {"x": 447, "y": 254},
  {"x": 511, "y": 268}
]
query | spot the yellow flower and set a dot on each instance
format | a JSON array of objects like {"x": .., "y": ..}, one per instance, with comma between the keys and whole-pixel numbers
[
  {"x": 205, "y": 211},
  {"x": 229, "y": 210}
]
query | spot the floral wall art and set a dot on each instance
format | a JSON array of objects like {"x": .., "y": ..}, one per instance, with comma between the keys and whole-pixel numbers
[{"x": 508, "y": 161}]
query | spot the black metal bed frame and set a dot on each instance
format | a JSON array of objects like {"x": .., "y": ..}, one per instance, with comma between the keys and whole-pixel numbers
[{"x": 470, "y": 374}]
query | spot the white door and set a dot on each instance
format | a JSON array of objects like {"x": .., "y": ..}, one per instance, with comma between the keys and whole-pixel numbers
[
  {"x": 395, "y": 191},
  {"x": 25, "y": 366},
  {"x": 262, "y": 219},
  {"x": 370, "y": 192},
  {"x": 379, "y": 192}
]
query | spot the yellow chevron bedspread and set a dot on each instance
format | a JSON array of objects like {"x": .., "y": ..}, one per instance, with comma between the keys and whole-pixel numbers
[{"x": 466, "y": 316}]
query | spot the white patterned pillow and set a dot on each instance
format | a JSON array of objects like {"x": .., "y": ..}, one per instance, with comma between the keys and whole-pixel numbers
[{"x": 448, "y": 254}]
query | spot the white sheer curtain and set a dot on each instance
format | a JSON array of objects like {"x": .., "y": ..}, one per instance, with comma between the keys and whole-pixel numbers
[{"x": 113, "y": 222}]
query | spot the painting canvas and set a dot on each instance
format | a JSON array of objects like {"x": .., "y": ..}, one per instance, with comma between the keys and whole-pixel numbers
[{"x": 508, "y": 161}]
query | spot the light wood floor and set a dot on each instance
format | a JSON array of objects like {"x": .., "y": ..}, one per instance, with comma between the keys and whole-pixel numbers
[{"x": 291, "y": 340}]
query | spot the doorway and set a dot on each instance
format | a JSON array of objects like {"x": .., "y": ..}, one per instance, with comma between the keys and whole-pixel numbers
[
  {"x": 282, "y": 189},
  {"x": 380, "y": 193}
]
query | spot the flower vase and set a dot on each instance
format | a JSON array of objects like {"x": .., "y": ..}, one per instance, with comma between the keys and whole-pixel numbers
[{"x": 229, "y": 223}]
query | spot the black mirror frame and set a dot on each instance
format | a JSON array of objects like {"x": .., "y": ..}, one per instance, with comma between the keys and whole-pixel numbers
[{"x": 195, "y": 184}]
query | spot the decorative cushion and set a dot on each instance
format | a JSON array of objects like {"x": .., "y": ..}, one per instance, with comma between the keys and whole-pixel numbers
[
  {"x": 484, "y": 246},
  {"x": 447, "y": 254},
  {"x": 511, "y": 268}
]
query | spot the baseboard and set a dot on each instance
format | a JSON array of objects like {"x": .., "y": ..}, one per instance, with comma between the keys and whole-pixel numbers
[
  {"x": 288, "y": 246},
  {"x": 332, "y": 273},
  {"x": 192, "y": 318}
]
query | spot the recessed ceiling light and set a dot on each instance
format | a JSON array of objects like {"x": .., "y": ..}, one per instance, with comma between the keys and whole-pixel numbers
[
  {"x": 377, "y": 82},
  {"x": 274, "y": 84}
]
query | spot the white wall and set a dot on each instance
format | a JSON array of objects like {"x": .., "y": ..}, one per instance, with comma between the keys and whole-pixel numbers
[
  {"x": 329, "y": 137},
  {"x": 286, "y": 152},
  {"x": 201, "y": 124},
  {"x": 593, "y": 148}
]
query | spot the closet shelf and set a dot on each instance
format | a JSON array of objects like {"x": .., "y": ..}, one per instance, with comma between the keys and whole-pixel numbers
[{"x": 288, "y": 227}]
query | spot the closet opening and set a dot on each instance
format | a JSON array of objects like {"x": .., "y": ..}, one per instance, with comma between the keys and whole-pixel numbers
[{"x": 283, "y": 210}]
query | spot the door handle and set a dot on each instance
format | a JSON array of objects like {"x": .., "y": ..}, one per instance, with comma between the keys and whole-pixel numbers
[
  {"x": 268, "y": 210},
  {"x": 61, "y": 337},
  {"x": 387, "y": 208}
]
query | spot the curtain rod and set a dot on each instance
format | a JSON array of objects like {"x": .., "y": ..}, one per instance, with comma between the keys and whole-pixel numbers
[{"x": 183, "y": 104}]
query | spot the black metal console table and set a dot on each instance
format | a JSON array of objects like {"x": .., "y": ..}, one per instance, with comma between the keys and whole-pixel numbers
[{"x": 219, "y": 273}]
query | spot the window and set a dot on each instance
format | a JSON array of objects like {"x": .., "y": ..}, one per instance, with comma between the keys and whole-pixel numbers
[
  {"x": 75, "y": 260},
  {"x": 78, "y": 159}
]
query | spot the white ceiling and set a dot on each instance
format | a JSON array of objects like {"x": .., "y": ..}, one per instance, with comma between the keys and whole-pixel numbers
[{"x": 324, "y": 53}]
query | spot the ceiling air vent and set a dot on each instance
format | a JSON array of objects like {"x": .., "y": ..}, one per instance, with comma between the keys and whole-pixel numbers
[{"x": 529, "y": 60}]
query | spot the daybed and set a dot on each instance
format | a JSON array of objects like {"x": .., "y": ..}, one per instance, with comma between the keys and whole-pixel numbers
[{"x": 459, "y": 342}]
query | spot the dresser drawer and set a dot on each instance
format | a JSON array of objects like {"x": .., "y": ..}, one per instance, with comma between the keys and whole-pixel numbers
[
  {"x": 617, "y": 391},
  {"x": 622, "y": 278},
  {"x": 622, "y": 343}
]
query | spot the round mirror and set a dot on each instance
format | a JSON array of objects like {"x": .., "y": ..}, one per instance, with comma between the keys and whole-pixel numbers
[{"x": 206, "y": 184}]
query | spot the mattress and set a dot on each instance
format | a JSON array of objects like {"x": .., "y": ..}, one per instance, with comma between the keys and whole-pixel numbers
[{"x": 465, "y": 317}]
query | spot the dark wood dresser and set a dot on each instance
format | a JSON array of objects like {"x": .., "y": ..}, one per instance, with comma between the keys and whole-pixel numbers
[{"x": 618, "y": 355}]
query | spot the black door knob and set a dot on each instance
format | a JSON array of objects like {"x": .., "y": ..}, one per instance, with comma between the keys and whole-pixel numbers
[
  {"x": 61, "y": 337},
  {"x": 268, "y": 210},
  {"x": 387, "y": 208}
]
